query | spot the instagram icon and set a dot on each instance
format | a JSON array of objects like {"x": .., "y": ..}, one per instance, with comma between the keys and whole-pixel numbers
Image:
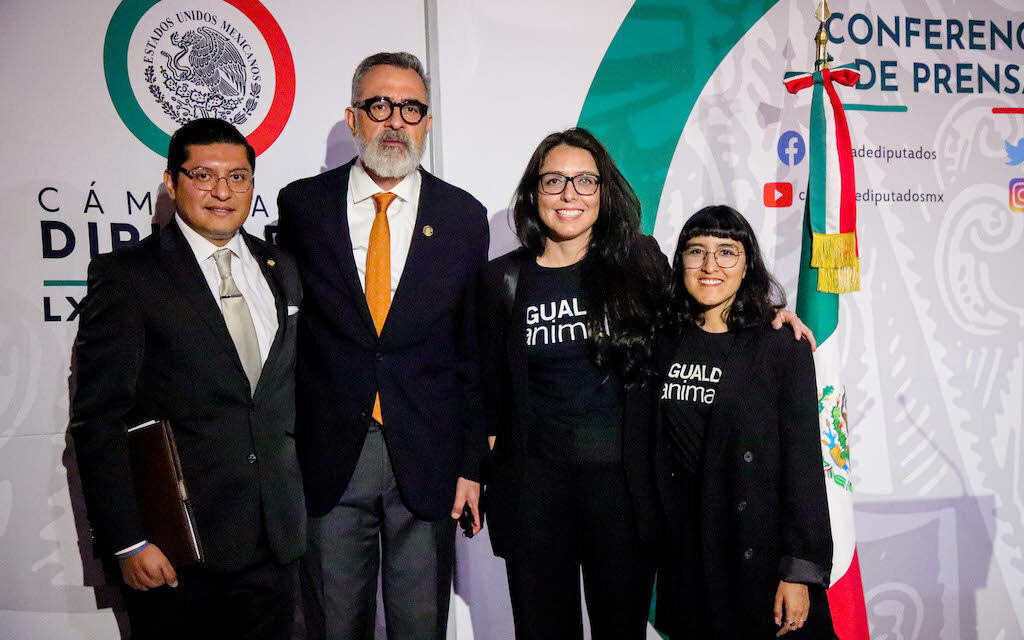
[{"x": 1017, "y": 194}]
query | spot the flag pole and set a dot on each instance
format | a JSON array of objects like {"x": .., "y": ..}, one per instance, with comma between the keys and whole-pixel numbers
[{"x": 829, "y": 267}]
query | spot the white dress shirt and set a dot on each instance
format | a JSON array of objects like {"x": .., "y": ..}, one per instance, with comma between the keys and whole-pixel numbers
[
  {"x": 401, "y": 219},
  {"x": 245, "y": 271}
]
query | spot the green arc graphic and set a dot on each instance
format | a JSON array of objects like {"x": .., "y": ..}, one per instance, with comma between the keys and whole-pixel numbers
[
  {"x": 658, "y": 63},
  {"x": 115, "y": 68}
]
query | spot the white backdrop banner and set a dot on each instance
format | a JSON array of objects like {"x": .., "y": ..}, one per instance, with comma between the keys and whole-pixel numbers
[{"x": 689, "y": 98}]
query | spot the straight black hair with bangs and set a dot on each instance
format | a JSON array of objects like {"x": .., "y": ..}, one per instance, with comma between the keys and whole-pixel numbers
[{"x": 759, "y": 295}]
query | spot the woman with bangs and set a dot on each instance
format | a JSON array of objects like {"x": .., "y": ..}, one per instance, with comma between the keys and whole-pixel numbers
[{"x": 738, "y": 450}]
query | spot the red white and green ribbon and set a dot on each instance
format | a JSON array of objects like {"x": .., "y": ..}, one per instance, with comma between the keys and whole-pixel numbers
[{"x": 832, "y": 193}]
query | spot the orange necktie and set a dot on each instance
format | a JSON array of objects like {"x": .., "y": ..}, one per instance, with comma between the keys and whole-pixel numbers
[{"x": 378, "y": 272}]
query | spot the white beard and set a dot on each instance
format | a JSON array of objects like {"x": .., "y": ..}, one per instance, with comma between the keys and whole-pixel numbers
[{"x": 389, "y": 162}]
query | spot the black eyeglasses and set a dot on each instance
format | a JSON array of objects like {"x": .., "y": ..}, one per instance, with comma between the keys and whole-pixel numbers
[
  {"x": 585, "y": 184},
  {"x": 380, "y": 108},
  {"x": 206, "y": 180}
]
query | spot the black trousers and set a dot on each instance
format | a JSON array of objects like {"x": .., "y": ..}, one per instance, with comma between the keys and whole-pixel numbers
[
  {"x": 253, "y": 604},
  {"x": 573, "y": 517}
]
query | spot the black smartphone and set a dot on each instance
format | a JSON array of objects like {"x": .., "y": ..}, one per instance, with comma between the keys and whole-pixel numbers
[{"x": 466, "y": 520}]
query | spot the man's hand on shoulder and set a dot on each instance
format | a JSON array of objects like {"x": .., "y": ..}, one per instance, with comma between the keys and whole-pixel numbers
[
  {"x": 468, "y": 491},
  {"x": 148, "y": 569},
  {"x": 800, "y": 330}
]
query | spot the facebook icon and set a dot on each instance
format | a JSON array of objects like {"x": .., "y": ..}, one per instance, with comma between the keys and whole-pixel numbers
[{"x": 791, "y": 148}]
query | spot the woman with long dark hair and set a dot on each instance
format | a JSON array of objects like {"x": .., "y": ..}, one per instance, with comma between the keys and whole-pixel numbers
[
  {"x": 565, "y": 323},
  {"x": 738, "y": 450}
]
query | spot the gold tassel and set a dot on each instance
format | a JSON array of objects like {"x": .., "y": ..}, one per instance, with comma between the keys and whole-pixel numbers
[
  {"x": 833, "y": 250},
  {"x": 839, "y": 280}
]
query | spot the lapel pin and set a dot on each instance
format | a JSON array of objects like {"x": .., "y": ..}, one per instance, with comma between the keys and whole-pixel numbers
[
  {"x": 271, "y": 263},
  {"x": 428, "y": 230}
]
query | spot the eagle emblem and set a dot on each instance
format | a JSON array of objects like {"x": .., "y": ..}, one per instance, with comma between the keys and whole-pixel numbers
[
  {"x": 215, "y": 62},
  {"x": 203, "y": 76},
  {"x": 835, "y": 435}
]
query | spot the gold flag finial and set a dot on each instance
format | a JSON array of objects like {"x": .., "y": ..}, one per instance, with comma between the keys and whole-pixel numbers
[
  {"x": 821, "y": 37},
  {"x": 822, "y": 14}
]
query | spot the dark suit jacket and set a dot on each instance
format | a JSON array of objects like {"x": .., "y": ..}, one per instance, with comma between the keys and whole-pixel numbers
[
  {"x": 152, "y": 343},
  {"x": 763, "y": 513},
  {"x": 506, "y": 402},
  {"x": 424, "y": 363}
]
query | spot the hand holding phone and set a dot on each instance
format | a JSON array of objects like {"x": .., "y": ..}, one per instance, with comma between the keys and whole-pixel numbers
[{"x": 466, "y": 521}]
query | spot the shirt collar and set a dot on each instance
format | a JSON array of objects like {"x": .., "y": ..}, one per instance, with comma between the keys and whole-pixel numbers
[
  {"x": 203, "y": 248},
  {"x": 362, "y": 186}
]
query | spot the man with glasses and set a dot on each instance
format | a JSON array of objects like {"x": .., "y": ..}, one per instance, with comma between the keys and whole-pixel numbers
[
  {"x": 389, "y": 429},
  {"x": 197, "y": 325}
]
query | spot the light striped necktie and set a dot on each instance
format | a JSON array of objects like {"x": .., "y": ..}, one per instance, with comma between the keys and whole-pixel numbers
[
  {"x": 238, "y": 319},
  {"x": 378, "y": 272}
]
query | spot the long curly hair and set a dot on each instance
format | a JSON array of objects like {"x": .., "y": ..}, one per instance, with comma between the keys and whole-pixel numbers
[
  {"x": 625, "y": 278},
  {"x": 759, "y": 295}
]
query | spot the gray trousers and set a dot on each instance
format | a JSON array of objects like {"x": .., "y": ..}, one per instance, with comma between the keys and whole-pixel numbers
[{"x": 370, "y": 530}]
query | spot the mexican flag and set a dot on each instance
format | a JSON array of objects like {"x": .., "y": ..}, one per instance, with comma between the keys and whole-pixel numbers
[{"x": 829, "y": 267}]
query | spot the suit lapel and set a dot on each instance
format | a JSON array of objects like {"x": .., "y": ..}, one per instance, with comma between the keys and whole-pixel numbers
[
  {"x": 273, "y": 278},
  {"x": 339, "y": 238},
  {"x": 191, "y": 283},
  {"x": 418, "y": 263}
]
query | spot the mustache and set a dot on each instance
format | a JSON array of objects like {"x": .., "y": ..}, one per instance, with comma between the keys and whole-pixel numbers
[{"x": 394, "y": 135}]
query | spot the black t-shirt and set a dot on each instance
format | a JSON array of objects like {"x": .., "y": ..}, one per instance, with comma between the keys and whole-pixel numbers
[
  {"x": 688, "y": 393},
  {"x": 576, "y": 412}
]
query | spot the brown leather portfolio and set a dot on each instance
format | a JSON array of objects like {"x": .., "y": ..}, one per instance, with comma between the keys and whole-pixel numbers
[{"x": 161, "y": 493}]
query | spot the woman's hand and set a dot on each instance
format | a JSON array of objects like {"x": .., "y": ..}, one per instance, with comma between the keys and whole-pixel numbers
[{"x": 791, "y": 606}]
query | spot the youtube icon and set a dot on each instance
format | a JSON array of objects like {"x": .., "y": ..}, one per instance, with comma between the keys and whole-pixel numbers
[{"x": 778, "y": 194}]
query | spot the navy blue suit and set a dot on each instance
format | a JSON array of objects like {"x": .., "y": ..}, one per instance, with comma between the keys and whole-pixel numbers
[
  {"x": 424, "y": 363},
  {"x": 384, "y": 492}
]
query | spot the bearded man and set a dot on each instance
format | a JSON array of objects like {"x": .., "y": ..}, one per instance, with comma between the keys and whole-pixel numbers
[{"x": 389, "y": 424}]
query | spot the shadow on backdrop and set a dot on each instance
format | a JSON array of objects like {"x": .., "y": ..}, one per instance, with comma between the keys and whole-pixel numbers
[
  {"x": 923, "y": 564},
  {"x": 926, "y": 559},
  {"x": 481, "y": 586},
  {"x": 100, "y": 574},
  {"x": 503, "y": 236},
  {"x": 340, "y": 147}
]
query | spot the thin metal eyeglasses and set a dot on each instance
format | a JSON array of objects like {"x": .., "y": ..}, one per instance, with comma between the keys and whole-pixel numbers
[
  {"x": 725, "y": 257},
  {"x": 206, "y": 180},
  {"x": 585, "y": 184},
  {"x": 380, "y": 108}
]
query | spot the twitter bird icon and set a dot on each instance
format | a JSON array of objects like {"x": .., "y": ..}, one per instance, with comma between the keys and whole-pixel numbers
[{"x": 1015, "y": 153}]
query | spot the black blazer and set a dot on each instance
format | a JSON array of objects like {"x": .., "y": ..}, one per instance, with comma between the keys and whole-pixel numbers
[
  {"x": 424, "y": 364},
  {"x": 152, "y": 343},
  {"x": 763, "y": 512},
  {"x": 506, "y": 401}
]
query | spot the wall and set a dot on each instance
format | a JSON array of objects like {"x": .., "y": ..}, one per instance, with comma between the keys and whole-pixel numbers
[{"x": 689, "y": 97}]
